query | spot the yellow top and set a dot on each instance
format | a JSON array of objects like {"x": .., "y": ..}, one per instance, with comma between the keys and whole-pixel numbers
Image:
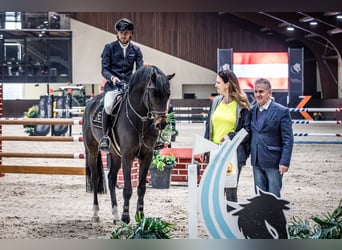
[{"x": 223, "y": 120}]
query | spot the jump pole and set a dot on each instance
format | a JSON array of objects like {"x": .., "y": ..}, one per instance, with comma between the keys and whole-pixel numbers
[
  {"x": 315, "y": 109},
  {"x": 41, "y": 138},
  {"x": 315, "y": 122},
  {"x": 40, "y": 121},
  {"x": 318, "y": 134},
  {"x": 56, "y": 170},
  {"x": 42, "y": 155}
]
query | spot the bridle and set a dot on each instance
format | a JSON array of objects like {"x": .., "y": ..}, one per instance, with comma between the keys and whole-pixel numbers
[{"x": 151, "y": 115}]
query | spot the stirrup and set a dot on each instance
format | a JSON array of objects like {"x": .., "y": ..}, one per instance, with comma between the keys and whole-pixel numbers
[{"x": 105, "y": 144}]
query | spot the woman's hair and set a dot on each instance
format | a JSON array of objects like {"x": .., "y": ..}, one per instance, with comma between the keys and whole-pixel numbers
[{"x": 234, "y": 88}]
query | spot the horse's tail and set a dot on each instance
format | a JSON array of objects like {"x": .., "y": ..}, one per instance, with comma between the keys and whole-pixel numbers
[{"x": 102, "y": 185}]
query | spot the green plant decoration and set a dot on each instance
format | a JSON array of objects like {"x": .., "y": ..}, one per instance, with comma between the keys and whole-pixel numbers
[
  {"x": 160, "y": 161},
  {"x": 144, "y": 228},
  {"x": 168, "y": 132},
  {"x": 32, "y": 112},
  {"x": 170, "y": 129},
  {"x": 327, "y": 227}
]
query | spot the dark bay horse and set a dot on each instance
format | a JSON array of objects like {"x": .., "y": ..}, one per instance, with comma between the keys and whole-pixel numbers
[{"x": 141, "y": 117}]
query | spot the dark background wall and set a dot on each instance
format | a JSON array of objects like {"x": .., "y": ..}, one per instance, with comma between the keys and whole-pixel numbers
[{"x": 194, "y": 37}]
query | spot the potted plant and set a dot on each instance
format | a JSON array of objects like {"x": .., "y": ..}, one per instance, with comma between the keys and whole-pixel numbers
[
  {"x": 32, "y": 112},
  {"x": 161, "y": 169}
]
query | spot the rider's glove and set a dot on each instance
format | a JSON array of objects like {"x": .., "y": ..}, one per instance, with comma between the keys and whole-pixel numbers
[{"x": 114, "y": 79}]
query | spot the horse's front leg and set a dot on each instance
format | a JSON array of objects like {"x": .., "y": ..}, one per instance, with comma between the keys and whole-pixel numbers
[
  {"x": 114, "y": 165},
  {"x": 96, "y": 209},
  {"x": 141, "y": 190},
  {"x": 127, "y": 190}
]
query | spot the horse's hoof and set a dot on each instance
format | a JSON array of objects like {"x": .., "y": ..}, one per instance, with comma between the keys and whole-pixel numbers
[
  {"x": 95, "y": 219},
  {"x": 125, "y": 220}
]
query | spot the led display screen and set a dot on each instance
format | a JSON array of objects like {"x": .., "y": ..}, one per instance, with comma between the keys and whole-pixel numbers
[{"x": 271, "y": 65}]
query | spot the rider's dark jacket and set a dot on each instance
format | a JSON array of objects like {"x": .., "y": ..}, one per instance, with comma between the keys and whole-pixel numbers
[{"x": 115, "y": 63}]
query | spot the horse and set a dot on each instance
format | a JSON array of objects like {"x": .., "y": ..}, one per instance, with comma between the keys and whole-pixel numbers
[{"x": 137, "y": 126}]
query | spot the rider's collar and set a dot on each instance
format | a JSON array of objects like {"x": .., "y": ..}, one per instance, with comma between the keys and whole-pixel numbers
[{"x": 124, "y": 46}]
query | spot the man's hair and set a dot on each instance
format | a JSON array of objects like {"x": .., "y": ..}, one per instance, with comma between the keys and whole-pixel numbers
[{"x": 263, "y": 81}]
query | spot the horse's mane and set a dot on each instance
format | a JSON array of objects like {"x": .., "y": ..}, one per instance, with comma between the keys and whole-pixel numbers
[{"x": 144, "y": 74}]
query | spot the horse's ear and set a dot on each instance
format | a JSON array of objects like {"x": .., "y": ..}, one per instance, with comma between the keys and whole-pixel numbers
[
  {"x": 152, "y": 84},
  {"x": 169, "y": 77},
  {"x": 153, "y": 77}
]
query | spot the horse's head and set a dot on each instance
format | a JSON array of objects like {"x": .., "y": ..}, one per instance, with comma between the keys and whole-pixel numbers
[
  {"x": 263, "y": 217},
  {"x": 157, "y": 96},
  {"x": 149, "y": 91}
]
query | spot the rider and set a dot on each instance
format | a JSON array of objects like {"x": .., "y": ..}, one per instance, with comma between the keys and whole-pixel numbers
[{"x": 118, "y": 60}]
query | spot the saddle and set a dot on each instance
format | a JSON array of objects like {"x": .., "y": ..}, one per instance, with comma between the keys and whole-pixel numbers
[{"x": 97, "y": 118}]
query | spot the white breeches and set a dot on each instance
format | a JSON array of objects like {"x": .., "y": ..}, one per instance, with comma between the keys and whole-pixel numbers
[{"x": 109, "y": 99}]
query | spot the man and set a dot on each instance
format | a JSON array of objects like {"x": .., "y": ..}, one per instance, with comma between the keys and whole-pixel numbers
[
  {"x": 271, "y": 139},
  {"x": 118, "y": 60}
]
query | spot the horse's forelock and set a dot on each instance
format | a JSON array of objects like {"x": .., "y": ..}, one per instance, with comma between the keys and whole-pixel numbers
[
  {"x": 145, "y": 74},
  {"x": 162, "y": 85}
]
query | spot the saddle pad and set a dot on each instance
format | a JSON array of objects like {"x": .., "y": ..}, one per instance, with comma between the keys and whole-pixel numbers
[{"x": 97, "y": 118}]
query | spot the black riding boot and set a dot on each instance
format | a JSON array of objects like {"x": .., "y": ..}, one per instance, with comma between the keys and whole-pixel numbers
[{"x": 105, "y": 142}]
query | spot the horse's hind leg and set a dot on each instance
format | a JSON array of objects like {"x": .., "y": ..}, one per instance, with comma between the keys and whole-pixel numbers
[
  {"x": 90, "y": 187},
  {"x": 92, "y": 160}
]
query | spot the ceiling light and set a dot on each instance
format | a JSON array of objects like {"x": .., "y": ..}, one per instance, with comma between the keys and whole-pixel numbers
[
  {"x": 306, "y": 19},
  {"x": 334, "y": 31},
  {"x": 339, "y": 16},
  {"x": 290, "y": 28},
  {"x": 313, "y": 23},
  {"x": 282, "y": 25},
  {"x": 331, "y": 13}
]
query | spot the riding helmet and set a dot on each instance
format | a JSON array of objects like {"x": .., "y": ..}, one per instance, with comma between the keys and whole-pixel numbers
[{"x": 124, "y": 25}]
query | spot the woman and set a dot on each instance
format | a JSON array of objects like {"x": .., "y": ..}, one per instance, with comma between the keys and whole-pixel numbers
[{"x": 229, "y": 112}]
